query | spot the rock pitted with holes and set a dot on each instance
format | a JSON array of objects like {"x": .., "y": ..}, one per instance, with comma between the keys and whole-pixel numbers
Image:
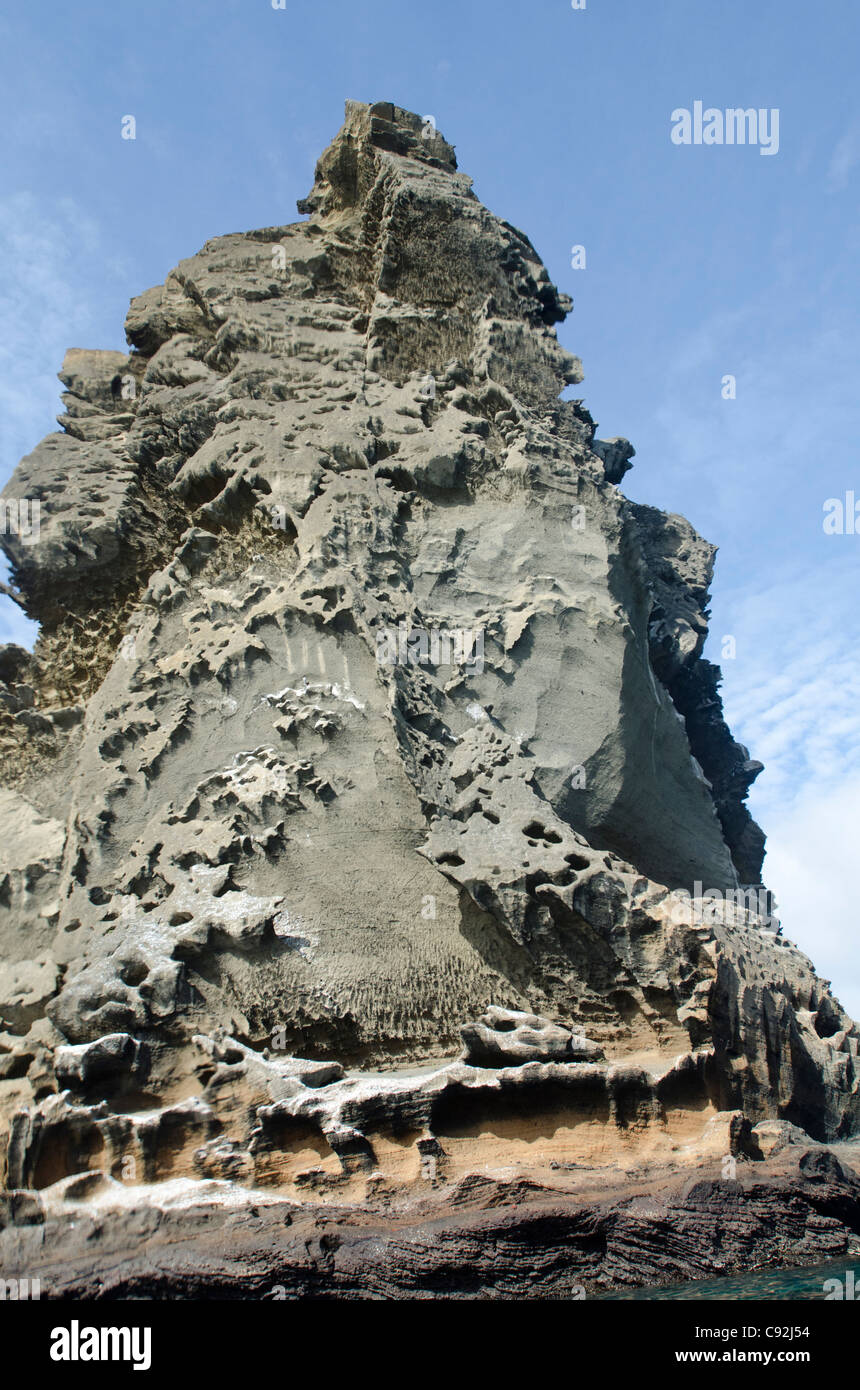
[{"x": 236, "y": 837}]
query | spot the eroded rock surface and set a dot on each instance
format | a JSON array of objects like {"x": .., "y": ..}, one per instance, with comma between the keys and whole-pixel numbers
[
  {"x": 574, "y": 1235},
  {"x": 504, "y": 1037},
  {"x": 366, "y": 710}
]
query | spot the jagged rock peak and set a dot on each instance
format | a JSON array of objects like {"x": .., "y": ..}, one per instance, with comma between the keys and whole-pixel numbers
[
  {"x": 347, "y": 169},
  {"x": 365, "y": 706}
]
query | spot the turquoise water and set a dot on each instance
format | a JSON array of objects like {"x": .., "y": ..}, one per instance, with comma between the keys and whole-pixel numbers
[{"x": 789, "y": 1284}]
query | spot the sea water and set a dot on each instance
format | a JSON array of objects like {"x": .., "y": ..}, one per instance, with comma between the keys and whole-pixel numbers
[{"x": 836, "y": 1279}]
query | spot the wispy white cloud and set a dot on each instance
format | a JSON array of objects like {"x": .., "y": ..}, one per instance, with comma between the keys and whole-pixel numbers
[
  {"x": 811, "y": 863},
  {"x": 794, "y": 688},
  {"x": 793, "y": 695},
  {"x": 753, "y": 474}
]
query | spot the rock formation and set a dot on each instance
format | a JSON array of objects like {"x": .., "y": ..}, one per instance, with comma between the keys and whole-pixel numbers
[{"x": 365, "y": 710}]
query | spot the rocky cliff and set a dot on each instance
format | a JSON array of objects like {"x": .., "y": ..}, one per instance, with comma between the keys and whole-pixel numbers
[{"x": 369, "y": 719}]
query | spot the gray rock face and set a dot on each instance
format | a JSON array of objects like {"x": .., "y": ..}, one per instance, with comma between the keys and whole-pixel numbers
[{"x": 365, "y": 701}]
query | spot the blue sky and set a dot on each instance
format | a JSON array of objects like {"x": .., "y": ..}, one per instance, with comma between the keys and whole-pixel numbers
[{"x": 701, "y": 261}]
